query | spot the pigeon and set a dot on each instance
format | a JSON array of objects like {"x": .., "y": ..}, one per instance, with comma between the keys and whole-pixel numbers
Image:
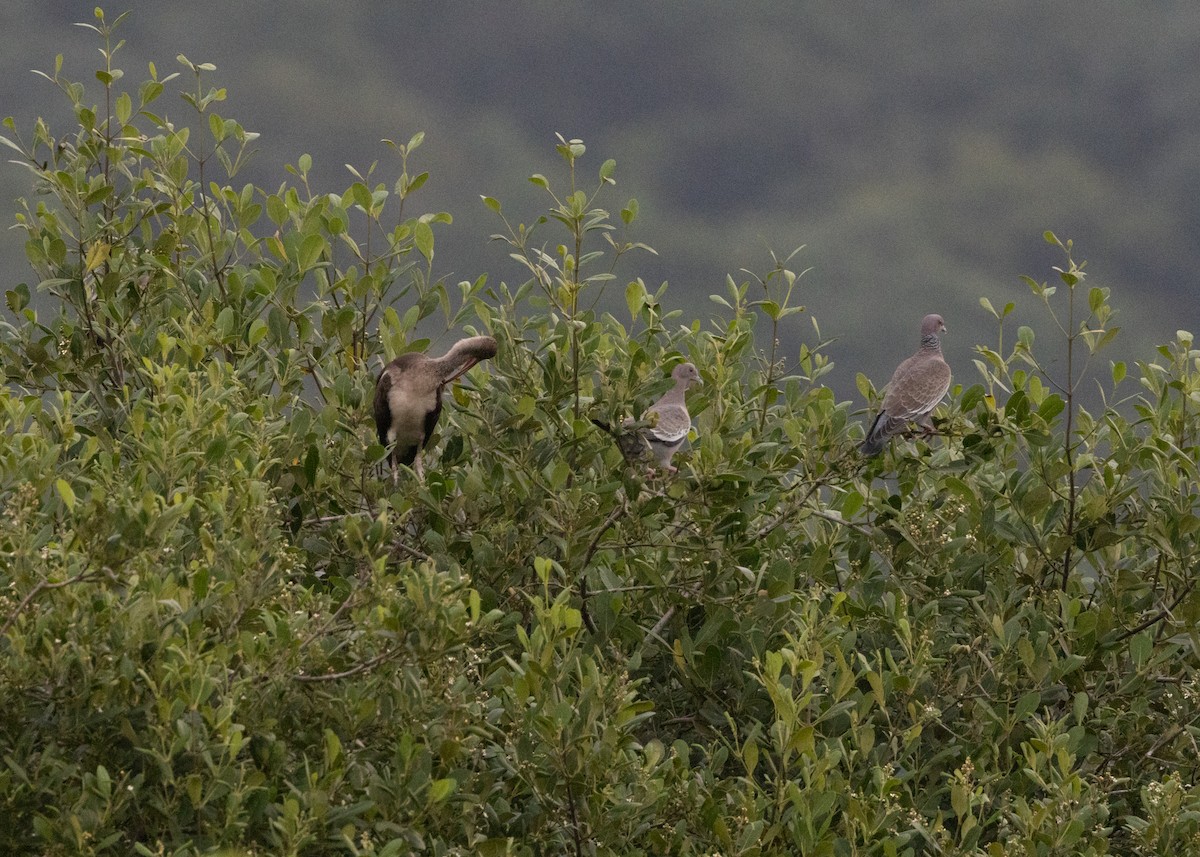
[
  {"x": 408, "y": 398},
  {"x": 917, "y": 386},
  {"x": 665, "y": 423}
]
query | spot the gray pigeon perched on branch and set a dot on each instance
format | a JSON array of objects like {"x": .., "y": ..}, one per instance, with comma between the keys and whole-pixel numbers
[
  {"x": 916, "y": 388},
  {"x": 667, "y": 423},
  {"x": 408, "y": 397}
]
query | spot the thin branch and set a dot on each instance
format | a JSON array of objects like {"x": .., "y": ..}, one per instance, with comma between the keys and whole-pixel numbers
[
  {"x": 662, "y": 623},
  {"x": 574, "y": 819},
  {"x": 365, "y": 666},
  {"x": 838, "y": 519},
  {"x": 594, "y": 546},
  {"x": 1158, "y": 617},
  {"x": 587, "y": 559},
  {"x": 337, "y": 614},
  {"x": 43, "y": 586},
  {"x": 787, "y": 513}
]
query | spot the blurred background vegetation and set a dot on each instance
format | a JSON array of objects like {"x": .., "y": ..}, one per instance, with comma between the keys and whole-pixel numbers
[{"x": 918, "y": 152}]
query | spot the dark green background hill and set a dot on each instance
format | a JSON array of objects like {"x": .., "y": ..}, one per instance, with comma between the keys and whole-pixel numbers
[{"x": 918, "y": 152}]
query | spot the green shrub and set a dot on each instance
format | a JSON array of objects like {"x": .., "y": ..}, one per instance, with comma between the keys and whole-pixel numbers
[{"x": 222, "y": 632}]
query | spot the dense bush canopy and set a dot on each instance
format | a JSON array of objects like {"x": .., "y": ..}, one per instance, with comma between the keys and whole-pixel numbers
[{"x": 222, "y": 631}]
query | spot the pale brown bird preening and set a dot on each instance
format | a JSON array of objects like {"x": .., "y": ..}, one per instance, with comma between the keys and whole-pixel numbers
[
  {"x": 408, "y": 398},
  {"x": 669, "y": 422},
  {"x": 916, "y": 388}
]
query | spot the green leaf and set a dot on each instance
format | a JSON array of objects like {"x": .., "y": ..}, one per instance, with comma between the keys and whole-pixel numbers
[
  {"x": 200, "y": 583},
  {"x": 441, "y": 789},
  {"x": 216, "y": 449},
  {"x": 863, "y": 385},
  {"x": 258, "y": 330},
  {"x": 226, "y": 323},
  {"x": 66, "y": 492},
  {"x": 123, "y": 107},
  {"x": 276, "y": 210},
  {"x": 416, "y": 182},
  {"x": 1140, "y": 647},
  {"x": 851, "y": 503},
  {"x": 311, "y": 249},
  {"x": 423, "y": 239},
  {"x": 281, "y": 330},
  {"x": 1051, "y": 407},
  {"x": 333, "y": 749},
  {"x": 492, "y": 203},
  {"x": 361, "y": 195},
  {"x": 750, "y": 756},
  {"x": 971, "y": 397},
  {"x": 311, "y": 462},
  {"x": 1027, "y": 704},
  {"x": 1108, "y": 336},
  {"x": 17, "y": 298},
  {"x": 1080, "y": 706},
  {"x": 635, "y": 297},
  {"x": 960, "y": 800}
]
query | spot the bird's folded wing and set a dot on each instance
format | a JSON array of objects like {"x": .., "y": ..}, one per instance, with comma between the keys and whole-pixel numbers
[
  {"x": 383, "y": 414},
  {"x": 672, "y": 425},
  {"x": 917, "y": 387}
]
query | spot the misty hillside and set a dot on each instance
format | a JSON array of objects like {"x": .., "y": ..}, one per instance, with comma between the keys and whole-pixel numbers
[{"x": 918, "y": 154}]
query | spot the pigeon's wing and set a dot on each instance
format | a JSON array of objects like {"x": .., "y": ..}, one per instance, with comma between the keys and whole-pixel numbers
[
  {"x": 671, "y": 427},
  {"x": 920, "y": 382},
  {"x": 383, "y": 413}
]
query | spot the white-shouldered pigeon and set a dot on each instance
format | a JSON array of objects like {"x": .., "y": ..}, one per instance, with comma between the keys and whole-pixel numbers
[{"x": 668, "y": 422}]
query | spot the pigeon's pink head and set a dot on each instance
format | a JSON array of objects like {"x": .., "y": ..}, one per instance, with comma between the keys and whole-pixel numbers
[
  {"x": 686, "y": 374},
  {"x": 932, "y": 325}
]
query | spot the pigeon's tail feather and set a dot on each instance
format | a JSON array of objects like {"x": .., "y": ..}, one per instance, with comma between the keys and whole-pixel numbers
[
  {"x": 631, "y": 440},
  {"x": 878, "y": 435}
]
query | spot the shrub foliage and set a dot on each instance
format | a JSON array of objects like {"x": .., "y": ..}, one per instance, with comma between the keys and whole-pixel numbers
[{"x": 222, "y": 631}]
